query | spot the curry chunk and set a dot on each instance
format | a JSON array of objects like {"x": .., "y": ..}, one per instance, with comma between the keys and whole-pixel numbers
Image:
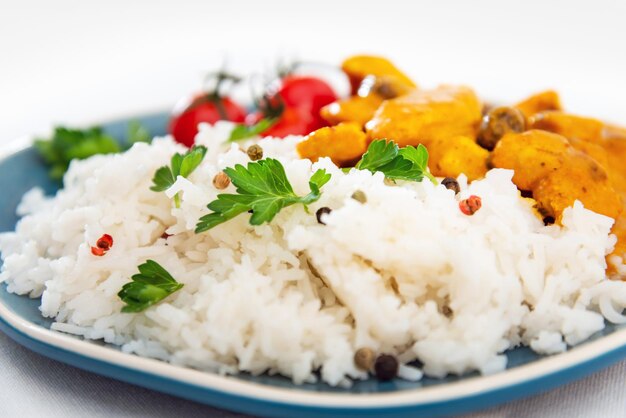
[
  {"x": 360, "y": 66},
  {"x": 557, "y": 173},
  {"x": 533, "y": 155},
  {"x": 592, "y": 149},
  {"x": 353, "y": 109},
  {"x": 343, "y": 144},
  {"x": 360, "y": 108},
  {"x": 457, "y": 155},
  {"x": 579, "y": 178},
  {"x": 424, "y": 116},
  {"x": 546, "y": 100},
  {"x": 568, "y": 125}
]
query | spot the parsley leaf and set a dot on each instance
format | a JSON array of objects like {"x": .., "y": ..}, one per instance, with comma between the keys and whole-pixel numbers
[
  {"x": 378, "y": 153},
  {"x": 68, "y": 144},
  {"x": 263, "y": 188},
  {"x": 151, "y": 285},
  {"x": 181, "y": 165},
  {"x": 408, "y": 163},
  {"x": 137, "y": 133},
  {"x": 241, "y": 131}
]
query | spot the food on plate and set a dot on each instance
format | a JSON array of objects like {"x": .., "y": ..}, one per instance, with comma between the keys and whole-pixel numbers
[
  {"x": 424, "y": 116},
  {"x": 414, "y": 236},
  {"x": 68, "y": 144},
  {"x": 498, "y": 122},
  {"x": 359, "y": 67},
  {"x": 295, "y": 106},
  {"x": 207, "y": 106},
  {"x": 370, "y": 95},
  {"x": 539, "y": 102},
  {"x": 556, "y": 173},
  {"x": 355, "y": 109},
  {"x": 343, "y": 144}
]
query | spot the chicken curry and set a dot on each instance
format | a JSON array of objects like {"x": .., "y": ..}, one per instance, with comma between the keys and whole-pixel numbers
[{"x": 557, "y": 157}]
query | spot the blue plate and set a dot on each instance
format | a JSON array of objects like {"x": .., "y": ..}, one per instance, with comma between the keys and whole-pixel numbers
[{"x": 526, "y": 374}]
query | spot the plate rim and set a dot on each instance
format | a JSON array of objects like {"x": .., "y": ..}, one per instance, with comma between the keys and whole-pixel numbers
[{"x": 575, "y": 363}]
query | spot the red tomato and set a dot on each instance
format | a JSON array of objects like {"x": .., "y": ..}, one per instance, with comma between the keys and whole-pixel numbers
[
  {"x": 204, "y": 108},
  {"x": 303, "y": 97},
  {"x": 292, "y": 122}
]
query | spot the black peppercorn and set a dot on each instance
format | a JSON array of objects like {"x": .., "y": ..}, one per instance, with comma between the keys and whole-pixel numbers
[
  {"x": 386, "y": 367},
  {"x": 526, "y": 193},
  {"x": 451, "y": 184},
  {"x": 320, "y": 212}
]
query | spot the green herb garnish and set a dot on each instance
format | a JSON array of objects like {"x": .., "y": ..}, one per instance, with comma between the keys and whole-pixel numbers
[
  {"x": 262, "y": 188},
  {"x": 151, "y": 285},
  {"x": 408, "y": 163},
  {"x": 137, "y": 133},
  {"x": 240, "y": 132},
  {"x": 181, "y": 165},
  {"x": 68, "y": 144}
]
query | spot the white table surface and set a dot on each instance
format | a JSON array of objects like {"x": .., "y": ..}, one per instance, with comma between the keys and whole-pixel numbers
[{"x": 75, "y": 62}]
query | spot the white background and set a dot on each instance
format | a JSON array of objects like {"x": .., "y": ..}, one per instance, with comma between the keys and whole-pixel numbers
[{"x": 76, "y": 62}]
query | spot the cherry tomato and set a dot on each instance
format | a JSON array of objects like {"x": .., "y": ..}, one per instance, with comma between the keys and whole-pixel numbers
[
  {"x": 292, "y": 121},
  {"x": 302, "y": 97},
  {"x": 203, "y": 108}
]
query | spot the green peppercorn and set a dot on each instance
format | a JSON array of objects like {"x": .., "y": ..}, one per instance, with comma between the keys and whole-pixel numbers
[
  {"x": 389, "y": 182},
  {"x": 320, "y": 212},
  {"x": 497, "y": 123},
  {"x": 386, "y": 367},
  {"x": 359, "y": 196},
  {"x": 255, "y": 152},
  {"x": 451, "y": 184},
  {"x": 364, "y": 358}
]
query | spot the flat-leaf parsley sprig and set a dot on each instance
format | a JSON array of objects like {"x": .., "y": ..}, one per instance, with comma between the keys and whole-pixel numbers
[
  {"x": 408, "y": 163},
  {"x": 181, "y": 165},
  {"x": 264, "y": 189},
  {"x": 150, "y": 286}
]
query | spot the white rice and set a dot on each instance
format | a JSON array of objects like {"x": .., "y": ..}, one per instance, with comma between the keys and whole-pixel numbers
[{"x": 295, "y": 296}]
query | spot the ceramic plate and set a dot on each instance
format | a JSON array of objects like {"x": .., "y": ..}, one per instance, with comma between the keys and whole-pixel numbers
[{"x": 526, "y": 374}]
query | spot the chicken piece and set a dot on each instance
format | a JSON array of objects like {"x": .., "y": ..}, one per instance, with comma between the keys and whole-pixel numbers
[
  {"x": 533, "y": 155},
  {"x": 423, "y": 116},
  {"x": 360, "y": 109},
  {"x": 453, "y": 156},
  {"x": 557, "y": 173},
  {"x": 592, "y": 149},
  {"x": 579, "y": 178},
  {"x": 588, "y": 135},
  {"x": 353, "y": 109},
  {"x": 614, "y": 132},
  {"x": 360, "y": 66},
  {"x": 546, "y": 100},
  {"x": 615, "y": 147},
  {"x": 570, "y": 126},
  {"x": 344, "y": 144}
]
